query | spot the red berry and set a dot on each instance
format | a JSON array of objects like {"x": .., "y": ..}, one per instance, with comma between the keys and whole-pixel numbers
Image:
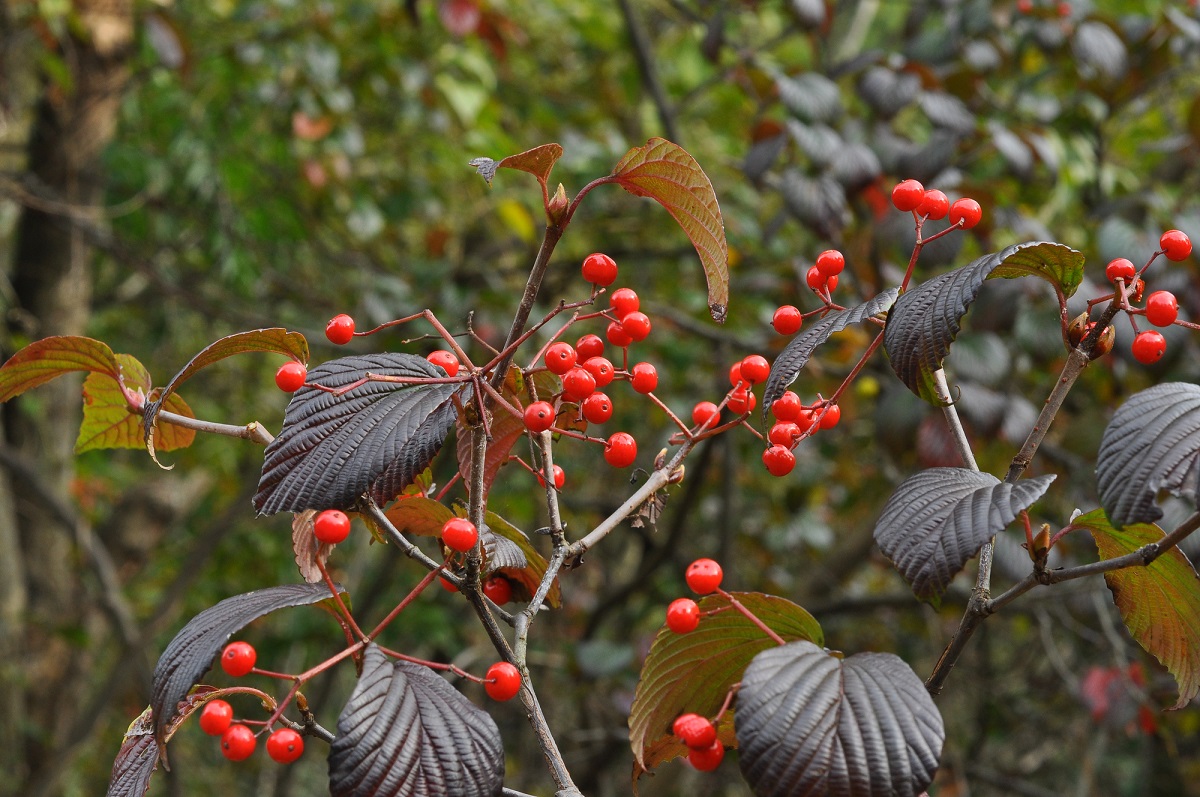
[
  {"x": 560, "y": 478},
  {"x": 1024, "y": 6},
  {"x": 331, "y": 526},
  {"x": 238, "y": 742},
  {"x": 786, "y": 407},
  {"x": 216, "y": 717},
  {"x": 447, "y": 585},
  {"x": 735, "y": 375},
  {"x": 599, "y": 269},
  {"x": 587, "y": 347},
  {"x": 779, "y": 460},
  {"x": 694, "y": 731},
  {"x": 703, "y": 576},
  {"x": 617, "y": 336},
  {"x": 578, "y": 384},
  {"x": 783, "y": 433},
  {"x": 1176, "y": 245},
  {"x": 636, "y": 325},
  {"x": 1149, "y": 347},
  {"x": 498, "y": 589},
  {"x": 1162, "y": 308},
  {"x": 624, "y": 301},
  {"x": 644, "y": 378},
  {"x": 340, "y": 329},
  {"x": 539, "y": 416},
  {"x": 596, "y": 408},
  {"x": 705, "y": 413},
  {"x": 741, "y": 401},
  {"x": 907, "y": 195},
  {"x": 831, "y": 283},
  {"x": 807, "y": 420},
  {"x": 831, "y": 262},
  {"x": 238, "y": 658},
  {"x": 1120, "y": 268},
  {"x": 755, "y": 368},
  {"x": 285, "y": 746},
  {"x": 621, "y": 450},
  {"x": 934, "y": 205},
  {"x": 708, "y": 759},
  {"x": 459, "y": 534},
  {"x": 446, "y": 360},
  {"x": 290, "y": 376},
  {"x": 787, "y": 320},
  {"x": 815, "y": 279},
  {"x": 831, "y": 416},
  {"x": 683, "y": 615},
  {"x": 601, "y": 370},
  {"x": 967, "y": 211},
  {"x": 560, "y": 358},
  {"x": 502, "y": 681}
]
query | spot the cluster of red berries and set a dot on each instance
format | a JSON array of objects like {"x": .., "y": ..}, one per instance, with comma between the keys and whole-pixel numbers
[
  {"x": 705, "y": 751},
  {"x": 1162, "y": 308},
  {"x": 237, "y": 740},
  {"x": 910, "y": 195},
  {"x": 703, "y": 576},
  {"x": 795, "y": 421},
  {"x": 822, "y": 277}
]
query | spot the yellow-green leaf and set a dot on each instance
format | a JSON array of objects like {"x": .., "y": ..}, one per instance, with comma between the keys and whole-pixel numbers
[
  {"x": 43, "y": 360},
  {"x": 107, "y": 421}
]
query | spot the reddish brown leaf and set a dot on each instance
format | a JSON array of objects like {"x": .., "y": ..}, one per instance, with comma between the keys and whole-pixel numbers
[
  {"x": 306, "y": 548},
  {"x": 43, "y": 360},
  {"x": 107, "y": 420},
  {"x": 537, "y": 161}
]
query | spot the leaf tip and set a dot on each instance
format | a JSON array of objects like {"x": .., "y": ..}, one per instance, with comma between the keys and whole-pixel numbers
[
  {"x": 718, "y": 311},
  {"x": 486, "y": 167}
]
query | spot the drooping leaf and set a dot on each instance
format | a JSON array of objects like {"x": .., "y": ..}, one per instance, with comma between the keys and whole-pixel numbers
[
  {"x": 375, "y": 439},
  {"x": 406, "y": 731},
  {"x": 192, "y": 651},
  {"x": 795, "y": 356},
  {"x": 45, "y": 359},
  {"x": 938, "y": 519},
  {"x": 694, "y": 671},
  {"x": 528, "y": 575},
  {"x": 1152, "y": 443},
  {"x": 279, "y": 341},
  {"x": 924, "y": 321},
  {"x": 307, "y": 549},
  {"x": 136, "y": 760},
  {"x": 506, "y": 429},
  {"x": 419, "y": 515},
  {"x": 666, "y": 173},
  {"x": 107, "y": 421},
  {"x": 812, "y": 723},
  {"x": 1160, "y": 603}
]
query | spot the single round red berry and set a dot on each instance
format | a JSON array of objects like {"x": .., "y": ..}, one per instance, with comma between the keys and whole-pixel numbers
[
  {"x": 694, "y": 731},
  {"x": 447, "y": 585},
  {"x": 1149, "y": 347},
  {"x": 1175, "y": 244},
  {"x": 599, "y": 269},
  {"x": 624, "y": 301},
  {"x": 636, "y": 325},
  {"x": 290, "y": 376},
  {"x": 907, "y": 195},
  {"x": 786, "y": 407},
  {"x": 340, "y": 329},
  {"x": 831, "y": 283},
  {"x": 644, "y": 378},
  {"x": 787, "y": 320},
  {"x": 560, "y": 478},
  {"x": 934, "y": 205},
  {"x": 331, "y": 526},
  {"x": 683, "y": 615},
  {"x": 741, "y": 401},
  {"x": 621, "y": 450},
  {"x": 560, "y": 358},
  {"x": 967, "y": 211},
  {"x": 459, "y": 534},
  {"x": 1121, "y": 268},
  {"x": 216, "y": 717},
  {"x": 498, "y": 589},
  {"x": 705, "y": 413},
  {"x": 503, "y": 681},
  {"x": 601, "y": 370},
  {"x": 587, "y": 347},
  {"x": 807, "y": 420},
  {"x": 831, "y": 262},
  {"x": 617, "y": 336},
  {"x": 735, "y": 375},
  {"x": 446, "y": 360},
  {"x": 755, "y": 369},
  {"x": 596, "y": 408},
  {"x": 238, "y": 658},
  {"x": 238, "y": 742},
  {"x": 1024, "y": 6},
  {"x": 779, "y": 460},
  {"x": 285, "y": 746},
  {"x": 539, "y": 416},
  {"x": 831, "y": 416},
  {"x": 783, "y": 433},
  {"x": 709, "y": 758},
  {"x": 703, "y": 576},
  {"x": 815, "y": 279},
  {"x": 578, "y": 384},
  {"x": 1162, "y": 308}
]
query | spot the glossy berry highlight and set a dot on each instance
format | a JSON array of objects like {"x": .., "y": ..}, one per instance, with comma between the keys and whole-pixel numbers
[
  {"x": 1162, "y": 308},
  {"x": 779, "y": 460},
  {"x": 587, "y": 347},
  {"x": 703, "y": 576},
  {"x": 636, "y": 325},
  {"x": 601, "y": 370},
  {"x": 934, "y": 205},
  {"x": 290, "y": 377},
  {"x": 560, "y": 357},
  {"x": 683, "y": 615},
  {"x": 786, "y": 407},
  {"x": 599, "y": 269},
  {"x": 705, "y": 413},
  {"x": 617, "y": 336},
  {"x": 446, "y": 360},
  {"x": 694, "y": 731},
  {"x": 1121, "y": 268},
  {"x": 620, "y": 450},
  {"x": 755, "y": 369},
  {"x": 216, "y": 717},
  {"x": 238, "y": 658},
  {"x": 340, "y": 329},
  {"x": 1149, "y": 347},
  {"x": 285, "y": 746},
  {"x": 503, "y": 681},
  {"x": 560, "y": 478},
  {"x": 539, "y": 416},
  {"x": 578, "y": 384},
  {"x": 787, "y": 320},
  {"x": 238, "y": 742},
  {"x": 965, "y": 212},
  {"x": 331, "y": 526},
  {"x": 624, "y": 301},
  {"x": 709, "y": 758},
  {"x": 643, "y": 377},
  {"x": 831, "y": 262},
  {"x": 596, "y": 408},
  {"x": 459, "y": 534},
  {"x": 1175, "y": 244},
  {"x": 498, "y": 589},
  {"x": 907, "y": 195}
]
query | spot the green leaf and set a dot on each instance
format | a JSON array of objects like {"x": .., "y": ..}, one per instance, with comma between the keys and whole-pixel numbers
[
  {"x": 694, "y": 671},
  {"x": 666, "y": 173},
  {"x": 418, "y": 515},
  {"x": 1059, "y": 265},
  {"x": 1160, "y": 603},
  {"x": 43, "y": 360},
  {"x": 531, "y": 575},
  {"x": 107, "y": 421}
]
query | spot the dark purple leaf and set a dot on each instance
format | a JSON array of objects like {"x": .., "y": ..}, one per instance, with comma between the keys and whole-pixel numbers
[
  {"x": 406, "y": 731},
  {"x": 820, "y": 203},
  {"x": 855, "y": 166},
  {"x": 810, "y": 723},
  {"x": 1151, "y": 444},
  {"x": 887, "y": 92},
  {"x": 811, "y": 97},
  {"x": 136, "y": 760},
  {"x": 947, "y": 111},
  {"x": 762, "y": 156},
  {"x": 373, "y": 439},
  {"x": 820, "y": 143},
  {"x": 1099, "y": 51}
]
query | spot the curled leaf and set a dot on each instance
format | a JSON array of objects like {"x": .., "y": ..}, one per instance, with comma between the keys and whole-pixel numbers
[
  {"x": 108, "y": 421},
  {"x": 46, "y": 359}
]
